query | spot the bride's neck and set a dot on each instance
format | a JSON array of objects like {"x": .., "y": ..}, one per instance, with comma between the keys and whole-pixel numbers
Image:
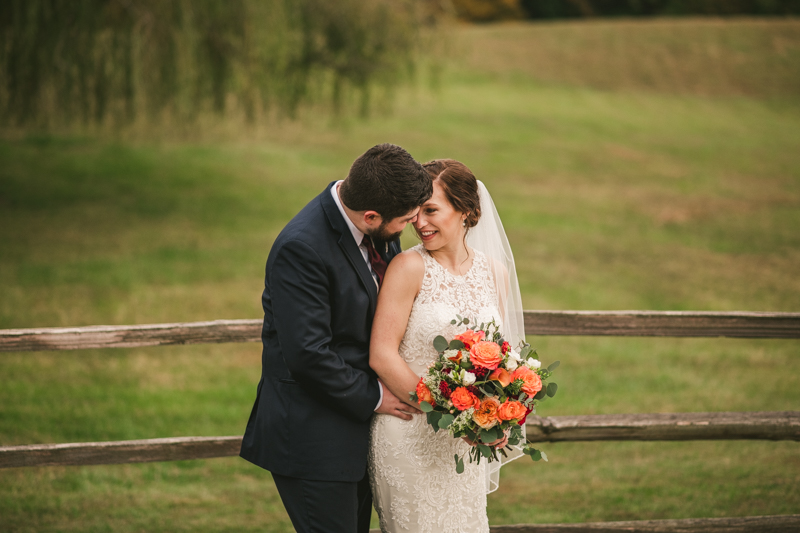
[{"x": 456, "y": 259}]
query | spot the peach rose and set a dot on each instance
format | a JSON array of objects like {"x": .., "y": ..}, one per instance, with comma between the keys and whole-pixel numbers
[
  {"x": 470, "y": 337},
  {"x": 486, "y": 414},
  {"x": 424, "y": 393},
  {"x": 533, "y": 383},
  {"x": 485, "y": 355},
  {"x": 512, "y": 410},
  {"x": 501, "y": 375},
  {"x": 463, "y": 399}
]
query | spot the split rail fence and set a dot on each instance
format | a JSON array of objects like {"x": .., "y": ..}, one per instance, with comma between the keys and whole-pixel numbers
[{"x": 779, "y": 425}]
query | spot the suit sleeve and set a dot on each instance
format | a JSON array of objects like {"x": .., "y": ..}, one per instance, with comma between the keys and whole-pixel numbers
[{"x": 302, "y": 315}]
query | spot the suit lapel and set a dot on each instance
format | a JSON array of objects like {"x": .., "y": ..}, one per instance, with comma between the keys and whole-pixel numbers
[{"x": 348, "y": 245}]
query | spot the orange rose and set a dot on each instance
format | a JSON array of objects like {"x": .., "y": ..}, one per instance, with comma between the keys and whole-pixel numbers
[
  {"x": 463, "y": 399},
  {"x": 486, "y": 414},
  {"x": 533, "y": 383},
  {"x": 470, "y": 337},
  {"x": 511, "y": 410},
  {"x": 501, "y": 375},
  {"x": 424, "y": 393},
  {"x": 485, "y": 355}
]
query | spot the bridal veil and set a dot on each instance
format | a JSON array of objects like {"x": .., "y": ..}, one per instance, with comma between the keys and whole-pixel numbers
[{"x": 489, "y": 237}]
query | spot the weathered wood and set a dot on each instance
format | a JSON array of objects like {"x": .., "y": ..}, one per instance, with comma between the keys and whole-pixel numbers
[
  {"x": 664, "y": 324},
  {"x": 619, "y": 323},
  {"x": 79, "y": 338},
  {"x": 116, "y": 452},
  {"x": 772, "y": 425},
  {"x": 760, "y": 524},
  {"x": 783, "y": 425}
]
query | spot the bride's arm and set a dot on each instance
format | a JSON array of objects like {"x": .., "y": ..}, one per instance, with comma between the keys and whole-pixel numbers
[{"x": 400, "y": 286}]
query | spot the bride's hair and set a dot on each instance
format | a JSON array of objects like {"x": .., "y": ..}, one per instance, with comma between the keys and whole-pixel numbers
[{"x": 459, "y": 186}]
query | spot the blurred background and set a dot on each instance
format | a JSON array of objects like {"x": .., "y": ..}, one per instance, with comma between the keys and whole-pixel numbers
[{"x": 643, "y": 154}]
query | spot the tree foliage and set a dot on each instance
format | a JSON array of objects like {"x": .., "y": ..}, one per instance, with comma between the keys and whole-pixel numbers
[
  {"x": 109, "y": 61},
  {"x": 590, "y": 8}
]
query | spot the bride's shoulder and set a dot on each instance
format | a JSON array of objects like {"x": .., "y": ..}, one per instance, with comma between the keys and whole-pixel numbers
[
  {"x": 406, "y": 270},
  {"x": 410, "y": 260}
]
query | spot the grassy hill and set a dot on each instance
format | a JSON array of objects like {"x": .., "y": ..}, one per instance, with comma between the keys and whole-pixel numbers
[{"x": 616, "y": 195}]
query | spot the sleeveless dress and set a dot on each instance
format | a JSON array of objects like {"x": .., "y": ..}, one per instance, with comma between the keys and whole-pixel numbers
[{"x": 412, "y": 470}]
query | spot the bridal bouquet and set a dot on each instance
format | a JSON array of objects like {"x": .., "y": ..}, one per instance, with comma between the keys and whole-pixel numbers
[{"x": 481, "y": 388}]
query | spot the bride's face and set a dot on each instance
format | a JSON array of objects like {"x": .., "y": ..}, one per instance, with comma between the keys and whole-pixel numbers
[{"x": 438, "y": 224}]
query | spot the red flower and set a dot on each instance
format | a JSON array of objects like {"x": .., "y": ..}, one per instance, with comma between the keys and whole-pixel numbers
[
  {"x": 444, "y": 388},
  {"x": 480, "y": 373},
  {"x": 505, "y": 347}
]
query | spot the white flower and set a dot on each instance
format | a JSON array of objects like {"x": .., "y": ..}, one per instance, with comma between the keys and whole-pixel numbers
[
  {"x": 451, "y": 353},
  {"x": 534, "y": 363},
  {"x": 468, "y": 379},
  {"x": 513, "y": 360}
]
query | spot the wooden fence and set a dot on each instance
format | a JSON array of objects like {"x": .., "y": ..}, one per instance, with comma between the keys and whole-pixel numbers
[{"x": 782, "y": 425}]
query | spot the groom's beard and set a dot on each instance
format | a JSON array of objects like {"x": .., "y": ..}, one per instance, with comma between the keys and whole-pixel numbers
[{"x": 382, "y": 235}]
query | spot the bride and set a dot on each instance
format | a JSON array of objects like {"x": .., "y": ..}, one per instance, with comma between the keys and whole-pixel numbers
[{"x": 463, "y": 266}]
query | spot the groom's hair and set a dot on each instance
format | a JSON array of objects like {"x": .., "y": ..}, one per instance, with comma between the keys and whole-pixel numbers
[{"x": 388, "y": 180}]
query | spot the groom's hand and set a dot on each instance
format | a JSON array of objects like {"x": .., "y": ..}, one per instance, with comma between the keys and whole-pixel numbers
[{"x": 391, "y": 405}]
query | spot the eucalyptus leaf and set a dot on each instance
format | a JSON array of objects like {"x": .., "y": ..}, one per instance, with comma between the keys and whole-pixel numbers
[
  {"x": 460, "y": 466},
  {"x": 485, "y": 450},
  {"x": 446, "y": 420},
  {"x": 552, "y": 388},
  {"x": 440, "y": 343},
  {"x": 544, "y": 456},
  {"x": 488, "y": 435},
  {"x": 453, "y": 321},
  {"x": 456, "y": 344},
  {"x": 536, "y": 455},
  {"x": 541, "y": 394},
  {"x": 433, "y": 420},
  {"x": 553, "y": 366},
  {"x": 525, "y": 351},
  {"x": 425, "y": 407}
]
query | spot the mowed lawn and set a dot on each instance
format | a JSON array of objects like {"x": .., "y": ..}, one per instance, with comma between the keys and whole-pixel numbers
[{"x": 622, "y": 197}]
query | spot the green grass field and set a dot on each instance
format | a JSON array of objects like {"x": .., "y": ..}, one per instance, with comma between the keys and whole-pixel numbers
[{"x": 633, "y": 196}]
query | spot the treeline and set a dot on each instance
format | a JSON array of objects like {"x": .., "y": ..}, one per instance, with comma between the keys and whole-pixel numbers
[
  {"x": 111, "y": 62},
  {"x": 485, "y": 10}
]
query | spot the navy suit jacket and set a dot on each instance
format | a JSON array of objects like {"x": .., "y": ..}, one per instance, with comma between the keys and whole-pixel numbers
[{"x": 317, "y": 392}]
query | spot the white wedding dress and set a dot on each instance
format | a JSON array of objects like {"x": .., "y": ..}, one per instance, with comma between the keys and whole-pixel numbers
[{"x": 415, "y": 486}]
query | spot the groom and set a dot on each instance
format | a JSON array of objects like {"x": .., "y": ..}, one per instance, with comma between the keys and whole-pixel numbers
[{"x": 310, "y": 423}]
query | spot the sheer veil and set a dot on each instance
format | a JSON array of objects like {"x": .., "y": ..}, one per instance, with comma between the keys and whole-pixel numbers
[{"x": 489, "y": 237}]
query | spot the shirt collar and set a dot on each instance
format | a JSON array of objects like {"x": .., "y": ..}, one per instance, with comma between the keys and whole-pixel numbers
[{"x": 358, "y": 235}]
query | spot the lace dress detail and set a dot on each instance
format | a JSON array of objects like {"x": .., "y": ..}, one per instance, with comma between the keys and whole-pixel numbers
[{"x": 414, "y": 481}]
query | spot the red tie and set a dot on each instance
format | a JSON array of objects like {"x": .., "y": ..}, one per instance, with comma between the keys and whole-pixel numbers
[{"x": 375, "y": 259}]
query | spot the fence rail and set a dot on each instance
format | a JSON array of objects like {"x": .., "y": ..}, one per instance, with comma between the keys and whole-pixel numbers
[
  {"x": 781, "y": 425},
  {"x": 617, "y": 323},
  {"x": 760, "y": 524}
]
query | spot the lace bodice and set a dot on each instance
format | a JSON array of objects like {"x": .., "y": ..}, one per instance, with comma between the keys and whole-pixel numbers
[
  {"x": 414, "y": 480},
  {"x": 444, "y": 295}
]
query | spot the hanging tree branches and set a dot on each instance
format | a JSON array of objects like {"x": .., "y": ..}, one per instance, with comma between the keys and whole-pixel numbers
[{"x": 114, "y": 61}]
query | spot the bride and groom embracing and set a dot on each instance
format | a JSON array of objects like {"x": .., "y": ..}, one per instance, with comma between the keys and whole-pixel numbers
[{"x": 343, "y": 308}]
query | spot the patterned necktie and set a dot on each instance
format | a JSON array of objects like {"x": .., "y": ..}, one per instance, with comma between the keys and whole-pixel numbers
[{"x": 375, "y": 259}]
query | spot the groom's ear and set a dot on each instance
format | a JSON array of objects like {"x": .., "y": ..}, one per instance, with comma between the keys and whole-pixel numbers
[{"x": 372, "y": 219}]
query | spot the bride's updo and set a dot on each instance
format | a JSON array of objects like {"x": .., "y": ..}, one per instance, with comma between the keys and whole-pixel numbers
[{"x": 459, "y": 185}]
